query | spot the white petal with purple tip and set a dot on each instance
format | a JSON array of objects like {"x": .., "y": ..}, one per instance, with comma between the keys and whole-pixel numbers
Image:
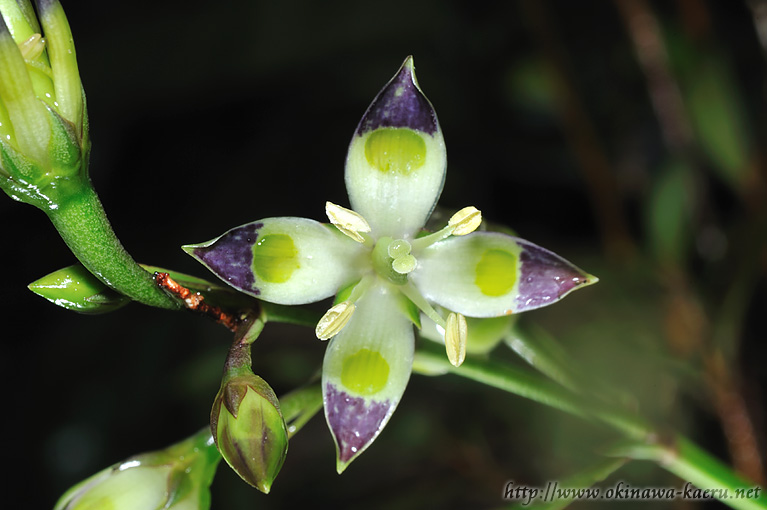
[
  {"x": 365, "y": 371},
  {"x": 286, "y": 260},
  {"x": 488, "y": 274},
  {"x": 395, "y": 167}
]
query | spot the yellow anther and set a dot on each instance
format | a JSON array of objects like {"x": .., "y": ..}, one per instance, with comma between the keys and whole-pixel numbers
[
  {"x": 456, "y": 333},
  {"x": 465, "y": 221},
  {"x": 347, "y": 221},
  {"x": 334, "y": 320},
  {"x": 404, "y": 264},
  {"x": 32, "y": 47}
]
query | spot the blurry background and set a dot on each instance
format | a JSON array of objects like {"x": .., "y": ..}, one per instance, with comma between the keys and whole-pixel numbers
[{"x": 627, "y": 136}]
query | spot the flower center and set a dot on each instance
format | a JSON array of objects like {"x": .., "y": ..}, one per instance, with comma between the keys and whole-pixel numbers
[{"x": 392, "y": 260}]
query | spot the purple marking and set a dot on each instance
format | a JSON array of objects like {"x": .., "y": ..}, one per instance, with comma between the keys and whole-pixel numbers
[
  {"x": 409, "y": 109},
  {"x": 353, "y": 423},
  {"x": 45, "y": 4},
  {"x": 544, "y": 277},
  {"x": 230, "y": 257}
]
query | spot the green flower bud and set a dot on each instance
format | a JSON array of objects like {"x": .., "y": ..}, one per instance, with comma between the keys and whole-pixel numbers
[
  {"x": 249, "y": 429},
  {"x": 43, "y": 122},
  {"x": 76, "y": 289},
  {"x": 177, "y": 478}
]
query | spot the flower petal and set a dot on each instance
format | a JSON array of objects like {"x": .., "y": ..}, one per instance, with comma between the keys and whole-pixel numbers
[
  {"x": 366, "y": 368},
  {"x": 287, "y": 260},
  {"x": 489, "y": 274},
  {"x": 396, "y": 163}
]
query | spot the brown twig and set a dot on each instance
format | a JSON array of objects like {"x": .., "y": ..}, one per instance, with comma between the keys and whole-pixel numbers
[{"x": 195, "y": 301}]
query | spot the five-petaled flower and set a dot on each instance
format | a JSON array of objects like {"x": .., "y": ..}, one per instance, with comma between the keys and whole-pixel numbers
[{"x": 383, "y": 268}]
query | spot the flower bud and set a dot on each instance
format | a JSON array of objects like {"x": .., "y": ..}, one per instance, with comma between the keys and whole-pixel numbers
[
  {"x": 177, "y": 478},
  {"x": 249, "y": 429},
  {"x": 76, "y": 289},
  {"x": 43, "y": 124}
]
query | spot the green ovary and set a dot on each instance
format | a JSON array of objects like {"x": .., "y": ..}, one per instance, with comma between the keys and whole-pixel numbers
[
  {"x": 496, "y": 272},
  {"x": 395, "y": 150},
  {"x": 365, "y": 372},
  {"x": 275, "y": 258}
]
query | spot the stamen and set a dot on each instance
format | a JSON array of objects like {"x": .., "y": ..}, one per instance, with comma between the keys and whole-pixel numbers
[
  {"x": 334, "y": 320},
  {"x": 423, "y": 242},
  {"x": 465, "y": 221},
  {"x": 418, "y": 300},
  {"x": 461, "y": 223},
  {"x": 347, "y": 221},
  {"x": 456, "y": 333},
  {"x": 32, "y": 47}
]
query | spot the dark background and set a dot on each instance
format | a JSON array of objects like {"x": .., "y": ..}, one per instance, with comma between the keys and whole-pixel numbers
[{"x": 207, "y": 115}]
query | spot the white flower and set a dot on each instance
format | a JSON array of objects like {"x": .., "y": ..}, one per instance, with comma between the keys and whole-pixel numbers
[{"x": 381, "y": 267}]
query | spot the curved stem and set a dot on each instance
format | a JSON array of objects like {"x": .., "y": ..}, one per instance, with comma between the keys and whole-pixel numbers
[
  {"x": 679, "y": 456},
  {"x": 83, "y": 225}
]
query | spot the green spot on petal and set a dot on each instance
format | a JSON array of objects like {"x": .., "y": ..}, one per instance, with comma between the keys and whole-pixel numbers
[
  {"x": 275, "y": 258},
  {"x": 395, "y": 150},
  {"x": 365, "y": 372},
  {"x": 496, "y": 272}
]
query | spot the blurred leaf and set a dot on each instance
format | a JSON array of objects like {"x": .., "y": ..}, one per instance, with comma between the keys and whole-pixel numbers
[
  {"x": 531, "y": 86},
  {"x": 717, "y": 117},
  {"x": 715, "y": 108},
  {"x": 669, "y": 212}
]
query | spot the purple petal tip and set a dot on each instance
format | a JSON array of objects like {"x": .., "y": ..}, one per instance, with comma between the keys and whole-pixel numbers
[
  {"x": 546, "y": 277},
  {"x": 400, "y": 104},
  {"x": 230, "y": 257},
  {"x": 354, "y": 422}
]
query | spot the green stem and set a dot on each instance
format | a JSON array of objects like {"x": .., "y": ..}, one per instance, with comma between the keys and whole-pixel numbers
[
  {"x": 681, "y": 457},
  {"x": 689, "y": 462},
  {"x": 533, "y": 386},
  {"x": 82, "y": 223},
  {"x": 299, "y": 406}
]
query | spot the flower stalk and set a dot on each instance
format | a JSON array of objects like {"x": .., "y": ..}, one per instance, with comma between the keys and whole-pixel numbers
[
  {"x": 245, "y": 421},
  {"x": 45, "y": 144}
]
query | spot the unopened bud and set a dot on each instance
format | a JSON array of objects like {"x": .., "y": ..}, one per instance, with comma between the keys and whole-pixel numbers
[
  {"x": 249, "y": 429},
  {"x": 76, "y": 289},
  {"x": 175, "y": 478}
]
